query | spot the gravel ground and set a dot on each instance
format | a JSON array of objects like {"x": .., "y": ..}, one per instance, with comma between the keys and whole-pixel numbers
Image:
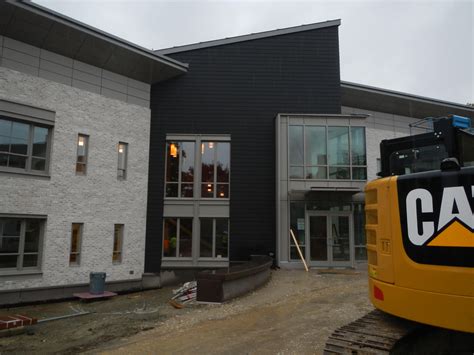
[{"x": 292, "y": 314}]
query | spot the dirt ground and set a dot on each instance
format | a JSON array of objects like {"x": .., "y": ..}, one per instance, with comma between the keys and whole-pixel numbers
[{"x": 292, "y": 314}]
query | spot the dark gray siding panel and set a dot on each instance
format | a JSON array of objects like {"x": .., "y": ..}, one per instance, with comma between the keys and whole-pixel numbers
[{"x": 238, "y": 89}]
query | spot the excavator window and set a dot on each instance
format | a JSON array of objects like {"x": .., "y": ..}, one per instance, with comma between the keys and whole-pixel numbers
[{"x": 415, "y": 160}]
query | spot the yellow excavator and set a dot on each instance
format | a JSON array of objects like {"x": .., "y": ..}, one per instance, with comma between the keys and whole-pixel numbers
[{"x": 420, "y": 241}]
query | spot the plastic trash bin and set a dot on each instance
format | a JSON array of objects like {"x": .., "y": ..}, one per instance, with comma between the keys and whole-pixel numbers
[{"x": 97, "y": 283}]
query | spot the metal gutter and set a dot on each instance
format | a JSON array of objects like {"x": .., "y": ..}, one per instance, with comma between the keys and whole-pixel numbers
[{"x": 249, "y": 37}]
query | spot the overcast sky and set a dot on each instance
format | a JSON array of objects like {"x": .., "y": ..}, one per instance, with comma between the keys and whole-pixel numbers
[{"x": 422, "y": 47}]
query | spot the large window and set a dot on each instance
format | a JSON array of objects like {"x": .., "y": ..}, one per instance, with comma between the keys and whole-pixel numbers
[
  {"x": 215, "y": 169},
  {"x": 24, "y": 147},
  {"x": 20, "y": 244},
  {"x": 214, "y": 238},
  {"x": 180, "y": 169},
  {"x": 212, "y": 164},
  {"x": 322, "y": 153},
  {"x": 197, "y": 198},
  {"x": 177, "y": 237}
]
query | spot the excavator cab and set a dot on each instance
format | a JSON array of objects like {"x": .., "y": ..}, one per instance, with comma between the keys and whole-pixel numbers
[
  {"x": 451, "y": 137},
  {"x": 420, "y": 226}
]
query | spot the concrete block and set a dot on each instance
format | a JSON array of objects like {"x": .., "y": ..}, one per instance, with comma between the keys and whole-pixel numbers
[{"x": 151, "y": 281}]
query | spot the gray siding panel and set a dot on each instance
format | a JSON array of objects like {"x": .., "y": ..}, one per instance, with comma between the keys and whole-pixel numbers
[
  {"x": 112, "y": 85},
  {"x": 113, "y": 94},
  {"x": 55, "y": 68},
  {"x": 28, "y": 69},
  {"x": 139, "y": 85},
  {"x": 114, "y": 77},
  {"x": 85, "y": 86},
  {"x": 21, "y": 47},
  {"x": 45, "y": 74},
  {"x": 87, "y": 68},
  {"x": 138, "y": 93},
  {"x": 88, "y": 78},
  {"x": 137, "y": 101},
  {"x": 56, "y": 58},
  {"x": 20, "y": 57}
]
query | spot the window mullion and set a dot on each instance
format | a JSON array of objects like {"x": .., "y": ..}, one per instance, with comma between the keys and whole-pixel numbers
[
  {"x": 350, "y": 152},
  {"x": 215, "y": 169},
  {"x": 21, "y": 247},
  {"x": 213, "y": 237},
  {"x": 180, "y": 161},
  {"x": 178, "y": 235},
  {"x": 29, "y": 149}
]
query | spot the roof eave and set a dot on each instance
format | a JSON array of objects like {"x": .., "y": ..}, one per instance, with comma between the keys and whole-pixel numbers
[{"x": 249, "y": 37}]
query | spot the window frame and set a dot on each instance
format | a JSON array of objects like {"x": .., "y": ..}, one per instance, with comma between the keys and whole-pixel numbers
[
  {"x": 79, "y": 246},
  {"x": 214, "y": 181},
  {"x": 121, "y": 237},
  {"x": 124, "y": 170},
  {"x": 197, "y": 139},
  {"x": 214, "y": 230},
  {"x": 20, "y": 269},
  {"x": 179, "y": 183},
  {"x": 328, "y": 166},
  {"x": 32, "y": 124},
  {"x": 86, "y": 154},
  {"x": 178, "y": 239}
]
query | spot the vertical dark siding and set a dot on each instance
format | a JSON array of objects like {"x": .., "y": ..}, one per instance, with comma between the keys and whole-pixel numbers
[{"x": 238, "y": 89}]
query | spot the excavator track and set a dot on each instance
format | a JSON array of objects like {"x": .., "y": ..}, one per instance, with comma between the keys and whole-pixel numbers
[{"x": 374, "y": 333}]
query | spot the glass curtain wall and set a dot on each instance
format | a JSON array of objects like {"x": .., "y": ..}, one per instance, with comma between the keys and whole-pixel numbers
[{"x": 327, "y": 153}]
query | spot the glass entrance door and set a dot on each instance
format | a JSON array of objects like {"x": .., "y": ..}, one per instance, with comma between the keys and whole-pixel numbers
[{"x": 330, "y": 239}]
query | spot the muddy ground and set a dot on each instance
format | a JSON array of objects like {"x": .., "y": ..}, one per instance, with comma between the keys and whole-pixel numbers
[{"x": 293, "y": 313}]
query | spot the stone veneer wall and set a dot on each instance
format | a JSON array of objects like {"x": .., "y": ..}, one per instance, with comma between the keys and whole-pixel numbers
[{"x": 98, "y": 200}]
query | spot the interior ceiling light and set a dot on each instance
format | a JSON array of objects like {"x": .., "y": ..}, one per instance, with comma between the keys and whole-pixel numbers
[
  {"x": 81, "y": 141},
  {"x": 211, "y": 145},
  {"x": 173, "y": 150}
]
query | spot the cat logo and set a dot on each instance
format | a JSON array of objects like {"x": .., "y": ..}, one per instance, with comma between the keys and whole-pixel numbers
[
  {"x": 453, "y": 228},
  {"x": 436, "y": 217}
]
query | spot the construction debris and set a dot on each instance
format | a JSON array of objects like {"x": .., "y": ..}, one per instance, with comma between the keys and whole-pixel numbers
[{"x": 183, "y": 295}]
